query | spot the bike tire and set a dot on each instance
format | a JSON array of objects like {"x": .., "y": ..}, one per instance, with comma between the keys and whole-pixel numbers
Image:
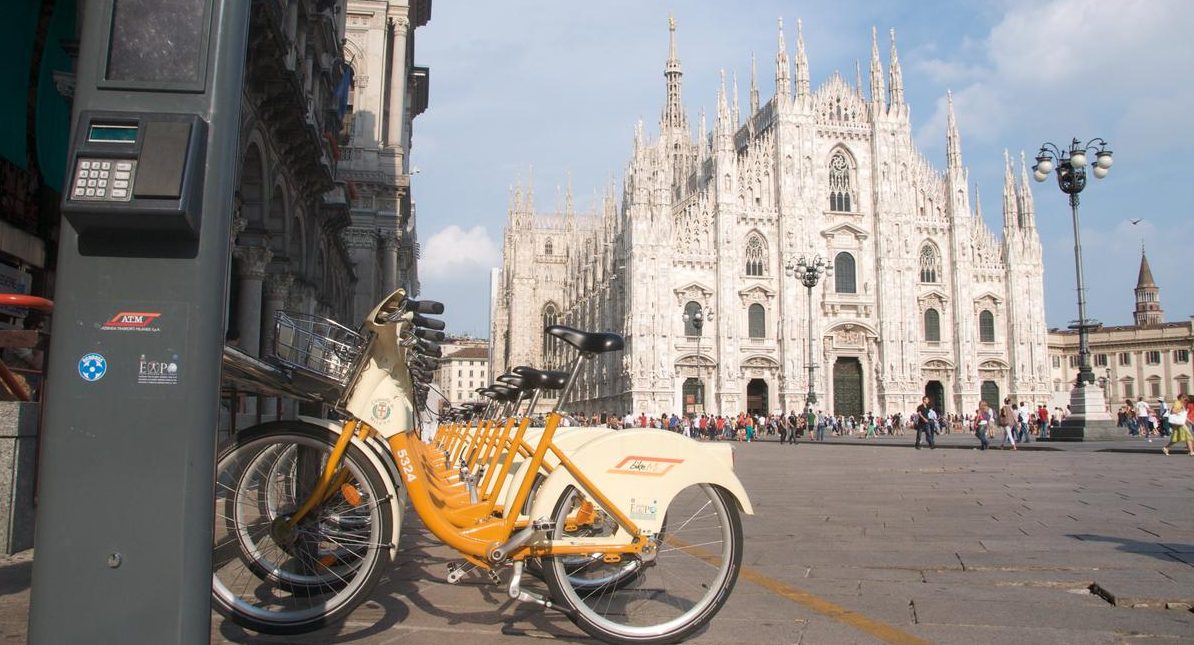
[
  {"x": 668, "y": 597},
  {"x": 275, "y": 581}
]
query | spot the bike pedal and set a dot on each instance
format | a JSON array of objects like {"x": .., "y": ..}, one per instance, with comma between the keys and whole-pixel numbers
[{"x": 457, "y": 571}]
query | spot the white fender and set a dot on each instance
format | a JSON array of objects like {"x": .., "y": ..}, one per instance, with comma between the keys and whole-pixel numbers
[
  {"x": 378, "y": 456},
  {"x": 645, "y": 468}
]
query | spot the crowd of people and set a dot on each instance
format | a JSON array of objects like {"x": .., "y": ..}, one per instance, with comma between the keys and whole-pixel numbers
[
  {"x": 1014, "y": 422},
  {"x": 1026, "y": 423}
]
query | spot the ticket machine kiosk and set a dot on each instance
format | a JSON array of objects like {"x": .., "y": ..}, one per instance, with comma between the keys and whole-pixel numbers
[{"x": 125, "y": 514}]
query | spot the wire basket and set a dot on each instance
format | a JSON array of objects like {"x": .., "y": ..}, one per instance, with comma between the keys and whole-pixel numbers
[{"x": 316, "y": 345}]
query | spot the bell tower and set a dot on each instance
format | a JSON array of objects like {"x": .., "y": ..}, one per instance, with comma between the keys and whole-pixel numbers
[{"x": 1148, "y": 296}]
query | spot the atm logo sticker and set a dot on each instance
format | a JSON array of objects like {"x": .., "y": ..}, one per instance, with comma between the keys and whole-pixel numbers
[{"x": 133, "y": 321}]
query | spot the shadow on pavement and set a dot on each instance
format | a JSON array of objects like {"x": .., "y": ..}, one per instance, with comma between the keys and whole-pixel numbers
[{"x": 1179, "y": 553}]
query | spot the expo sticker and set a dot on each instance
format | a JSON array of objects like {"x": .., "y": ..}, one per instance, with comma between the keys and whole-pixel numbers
[
  {"x": 92, "y": 367},
  {"x": 133, "y": 321},
  {"x": 150, "y": 372}
]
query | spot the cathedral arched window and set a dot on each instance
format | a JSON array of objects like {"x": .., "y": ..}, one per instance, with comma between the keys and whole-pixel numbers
[
  {"x": 547, "y": 247},
  {"x": 694, "y": 320},
  {"x": 839, "y": 183},
  {"x": 844, "y": 278},
  {"x": 932, "y": 325},
  {"x": 986, "y": 326},
  {"x": 930, "y": 264},
  {"x": 756, "y": 321},
  {"x": 756, "y": 256},
  {"x": 551, "y": 316}
]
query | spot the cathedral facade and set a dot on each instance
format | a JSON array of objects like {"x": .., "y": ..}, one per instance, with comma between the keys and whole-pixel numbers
[{"x": 694, "y": 263}]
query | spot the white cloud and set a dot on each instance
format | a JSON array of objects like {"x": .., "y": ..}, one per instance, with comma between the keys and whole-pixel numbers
[
  {"x": 455, "y": 253},
  {"x": 1118, "y": 67}
]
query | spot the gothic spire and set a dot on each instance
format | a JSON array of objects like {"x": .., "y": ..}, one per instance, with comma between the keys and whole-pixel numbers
[
  {"x": 783, "y": 74},
  {"x": 1010, "y": 216},
  {"x": 529, "y": 200},
  {"x": 897, "y": 76},
  {"x": 722, "y": 122},
  {"x": 953, "y": 140},
  {"x": 568, "y": 195},
  {"x": 978, "y": 203},
  {"x": 858, "y": 78},
  {"x": 673, "y": 117},
  {"x": 1027, "y": 207},
  {"x": 754, "y": 85},
  {"x": 702, "y": 138},
  {"x": 737, "y": 112},
  {"x": 878, "y": 96},
  {"x": 803, "y": 90}
]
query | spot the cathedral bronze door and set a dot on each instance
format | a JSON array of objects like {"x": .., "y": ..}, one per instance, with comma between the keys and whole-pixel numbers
[
  {"x": 847, "y": 387},
  {"x": 756, "y": 396},
  {"x": 936, "y": 393},
  {"x": 989, "y": 391},
  {"x": 694, "y": 396}
]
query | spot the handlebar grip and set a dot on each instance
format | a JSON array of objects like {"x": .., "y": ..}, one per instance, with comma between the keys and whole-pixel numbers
[
  {"x": 428, "y": 334},
  {"x": 428, "y": 323},
  {"x": 425, "y": 306},
  {"x": 429, "y": 348}
]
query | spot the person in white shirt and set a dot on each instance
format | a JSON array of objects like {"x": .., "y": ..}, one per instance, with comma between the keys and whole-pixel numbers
[{"x": 1143, "y": 418}]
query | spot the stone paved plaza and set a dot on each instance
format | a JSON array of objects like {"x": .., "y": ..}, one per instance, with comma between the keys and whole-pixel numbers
[{"x": 868, "y": 543}]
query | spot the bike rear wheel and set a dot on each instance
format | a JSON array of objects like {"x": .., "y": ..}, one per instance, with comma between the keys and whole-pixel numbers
[
  {"x": 657, "y": 598},
  {"x": 284, "y": 580}
]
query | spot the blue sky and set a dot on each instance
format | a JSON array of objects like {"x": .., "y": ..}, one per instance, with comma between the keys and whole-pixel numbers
[{"x": 558, "y": 86}]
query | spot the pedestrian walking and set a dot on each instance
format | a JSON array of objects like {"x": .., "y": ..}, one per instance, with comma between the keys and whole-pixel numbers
[
  {"x": 922, "y": 424},
  {"x": 1007, "y": 419},
  {"x": 1179, "y": 423},
  {"x": 983, "y": 420}
]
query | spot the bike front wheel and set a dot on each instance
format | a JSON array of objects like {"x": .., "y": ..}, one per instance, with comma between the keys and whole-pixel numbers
[
  {"x": 663, "y": 596},
  {"x": 280, "y": 579}
]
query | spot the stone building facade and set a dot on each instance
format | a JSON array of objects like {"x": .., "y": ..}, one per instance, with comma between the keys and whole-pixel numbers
[
  {"x": 464, "y": 368},
  {"x": 924, "y": 299},
  {"x": 1149, "y": 358},
  {"x": 387, "y": 92}
]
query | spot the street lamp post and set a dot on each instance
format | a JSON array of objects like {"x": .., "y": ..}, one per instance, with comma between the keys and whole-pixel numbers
[
  {"x": 809, "y": 272},
  {"x": 698, "y": 319},
  {"x": 1088, "y": 416}
]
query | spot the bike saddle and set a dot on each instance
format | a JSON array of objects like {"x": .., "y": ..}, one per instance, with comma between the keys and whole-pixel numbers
[
  {"x": 542, "y": 379},
  {"x": 593, "y": 342},
  {"x": 515, "y": 381},
  {"x": 505, "y": 393}
]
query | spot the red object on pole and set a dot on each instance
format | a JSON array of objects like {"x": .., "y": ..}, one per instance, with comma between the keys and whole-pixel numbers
[{"x": 28, "y": 302}]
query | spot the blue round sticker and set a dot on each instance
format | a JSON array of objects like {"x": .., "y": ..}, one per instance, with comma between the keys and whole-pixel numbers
[{"x": 92, "y": 367}]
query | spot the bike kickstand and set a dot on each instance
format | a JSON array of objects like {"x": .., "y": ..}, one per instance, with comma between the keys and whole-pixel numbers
[{"x": 518, "y": 593}]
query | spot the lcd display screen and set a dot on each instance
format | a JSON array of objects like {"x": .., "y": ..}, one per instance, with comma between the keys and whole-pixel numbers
[{"x": 112, "y": 133}]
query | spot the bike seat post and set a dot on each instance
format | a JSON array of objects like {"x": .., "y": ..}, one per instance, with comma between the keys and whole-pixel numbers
[{"x": 573, "y": 373}]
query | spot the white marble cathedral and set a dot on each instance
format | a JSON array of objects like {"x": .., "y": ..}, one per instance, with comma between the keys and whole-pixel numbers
[{"x": 924, "y": 298}]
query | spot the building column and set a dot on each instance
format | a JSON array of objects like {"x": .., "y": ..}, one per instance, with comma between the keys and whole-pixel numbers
[
  {"x": 277, "y": 287},
  {"x": 251, "y": 261},
  {"x": 396, "y": 89},
  {"x": 389, "y": 263},
  {"x": 361, "y": 244}
]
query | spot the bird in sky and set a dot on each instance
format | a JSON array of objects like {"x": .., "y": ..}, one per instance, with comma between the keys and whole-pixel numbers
[{"x": 1137, "y": 221}]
